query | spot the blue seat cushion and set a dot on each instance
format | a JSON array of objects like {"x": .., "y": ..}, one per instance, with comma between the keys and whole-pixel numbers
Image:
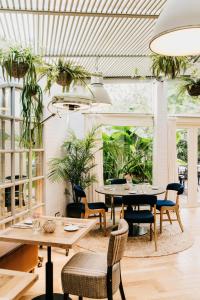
[
  {"x": 97, "y": 205},
  {"x": 161, "y": 203},
  {"x": 141, "y": 216},
  {"x": 118, "y": 200}
]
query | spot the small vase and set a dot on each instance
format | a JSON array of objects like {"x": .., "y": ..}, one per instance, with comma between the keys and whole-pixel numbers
[{"x": 49, "y": 226}]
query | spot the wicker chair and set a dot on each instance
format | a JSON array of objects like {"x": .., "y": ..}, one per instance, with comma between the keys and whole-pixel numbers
[{"x": 97, "y": 276}]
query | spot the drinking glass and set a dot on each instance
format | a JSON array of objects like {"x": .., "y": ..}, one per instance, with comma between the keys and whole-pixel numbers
[{"x": 36, "y": 225}]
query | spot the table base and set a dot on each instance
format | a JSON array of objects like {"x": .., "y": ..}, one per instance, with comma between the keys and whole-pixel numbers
[
  {"x": 55, "y": 297},
  {"x": 137, "y": 230}
]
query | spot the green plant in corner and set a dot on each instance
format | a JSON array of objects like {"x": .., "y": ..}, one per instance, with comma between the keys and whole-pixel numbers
[
  {"x": 77, "y": 162},
  {"x": 190, "y": 85},
  {"x": 168, "y": 66},
  {"x": 63, "y": 73}
]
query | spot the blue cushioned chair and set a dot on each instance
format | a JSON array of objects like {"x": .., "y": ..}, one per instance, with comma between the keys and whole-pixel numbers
[
  {"x": 89, "y": 209},
  {"x": 147, "y": 216},
  {"x": 117, "y": 200},
  {"x": 166, "y": 205}
]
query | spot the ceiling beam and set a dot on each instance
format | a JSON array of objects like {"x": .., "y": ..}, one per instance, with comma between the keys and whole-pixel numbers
[
  {"x": 94, "y": 56},
  {"x": 78, "y": 14}
]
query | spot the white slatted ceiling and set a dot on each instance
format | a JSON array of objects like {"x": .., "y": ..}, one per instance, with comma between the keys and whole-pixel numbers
[{"x": 110, "y": 38}]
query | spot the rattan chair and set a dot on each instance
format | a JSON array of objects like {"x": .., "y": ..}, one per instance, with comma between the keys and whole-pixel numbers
[{"x": 97, "y": 276}]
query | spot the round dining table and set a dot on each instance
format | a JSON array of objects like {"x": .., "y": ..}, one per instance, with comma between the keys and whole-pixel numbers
[{"x": 117, "y": 190}]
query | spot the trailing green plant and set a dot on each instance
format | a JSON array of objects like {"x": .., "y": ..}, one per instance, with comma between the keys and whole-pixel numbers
[
  {"x": 64, "y": 73},
  {"x": 190, "y": 85},
  {"x": 18, "y": 62},
  {"x": 169, "y": 66},
  {"x": 77, "y": 162},
  {"x": 32, "y": 113}
]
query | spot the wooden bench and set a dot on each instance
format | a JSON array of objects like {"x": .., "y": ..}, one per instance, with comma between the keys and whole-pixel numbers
[{"x": 18, "y": 257}]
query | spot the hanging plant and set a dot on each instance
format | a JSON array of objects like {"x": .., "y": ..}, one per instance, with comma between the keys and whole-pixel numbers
[
  {"x": 190, "y": 85},
  {"x": 64, "y": 73},
  {"x": 18, "y": 62},
  {"x": 169, "y": 66},
  {"x": 32, "y": 113}
]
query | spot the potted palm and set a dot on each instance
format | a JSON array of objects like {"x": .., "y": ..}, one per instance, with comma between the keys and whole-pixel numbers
[
  {"x": 168, "y": 66},
  {"x": 64, "y": 73},
  {"x": 74, "y": 166}
]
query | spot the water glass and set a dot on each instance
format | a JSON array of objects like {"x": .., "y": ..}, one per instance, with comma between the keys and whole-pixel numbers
[{"x": 36, "y": 225}]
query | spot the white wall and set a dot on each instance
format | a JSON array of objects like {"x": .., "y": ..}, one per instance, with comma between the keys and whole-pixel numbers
[{"x": 55, "y": 132}]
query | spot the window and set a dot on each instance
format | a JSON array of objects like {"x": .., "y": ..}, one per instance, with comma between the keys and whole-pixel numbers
[{"x": 21, "y": 170}]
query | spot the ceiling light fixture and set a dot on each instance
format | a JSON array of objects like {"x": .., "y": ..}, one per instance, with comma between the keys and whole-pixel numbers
[
  {"x": 177, "y": 30},
  {"x": 99, "y": 93}
]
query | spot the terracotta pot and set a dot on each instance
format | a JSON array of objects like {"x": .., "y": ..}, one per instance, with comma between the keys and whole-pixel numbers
[
  {"x": 18, "y": 70},
  {"x": 194, "y": 90},
  {"x": 64, "y": 79}
]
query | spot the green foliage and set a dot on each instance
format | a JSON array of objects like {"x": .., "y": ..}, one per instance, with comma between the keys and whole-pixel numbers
[
  {"x": 168, "y": 66},
  {"x": 126, "y": 151},
  {"x": 77, "y": 160},
  {"x": 190, "y": 84},
  {"x": 32, "y": 96},
  {"x": 71, "y": 73}
]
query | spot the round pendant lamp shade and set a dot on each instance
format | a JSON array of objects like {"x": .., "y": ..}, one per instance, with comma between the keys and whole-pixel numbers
[
  {"x": 100, "y": 95},
  {"x": 177, "y": 31},
  {"x": 70, "y": 101}
]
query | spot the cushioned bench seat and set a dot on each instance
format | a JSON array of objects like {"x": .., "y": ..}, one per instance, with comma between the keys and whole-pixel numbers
[{"x": 19, "y": 257}]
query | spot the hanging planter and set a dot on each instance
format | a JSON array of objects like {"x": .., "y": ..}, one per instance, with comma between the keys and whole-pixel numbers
[
  {"x": 16, "y": 69},
  {"x": 64, "y": 79},
  {"x": 191, "y": 85},
  {"x": 18, "y": 62},
  {"x": 64, "y": 73},
  {"x": 194, "y": 90},
  {"x": 168, "y": 66}
]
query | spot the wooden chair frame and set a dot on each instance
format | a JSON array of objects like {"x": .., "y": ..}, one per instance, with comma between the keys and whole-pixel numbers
[
  {"x": 167, "y": 209},
  {"x": 89, "y": 212}
]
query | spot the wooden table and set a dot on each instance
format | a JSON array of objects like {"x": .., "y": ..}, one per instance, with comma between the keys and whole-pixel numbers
[
  {"x": 13, "y": 283},
  {"x": 60, "y": 239},
  {"x": 115, "y": 190}
]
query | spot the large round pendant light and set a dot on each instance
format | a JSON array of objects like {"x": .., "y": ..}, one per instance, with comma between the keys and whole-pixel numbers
[
  {"x": 69, "y": 101},
  {"x": 177, "y": 31}
]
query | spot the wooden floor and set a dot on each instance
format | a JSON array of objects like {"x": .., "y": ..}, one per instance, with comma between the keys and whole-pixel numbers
[{"x": 174, "y": 277}]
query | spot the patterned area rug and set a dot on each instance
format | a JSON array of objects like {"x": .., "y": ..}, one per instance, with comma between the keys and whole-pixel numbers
[{"x": 171, "y": 241}]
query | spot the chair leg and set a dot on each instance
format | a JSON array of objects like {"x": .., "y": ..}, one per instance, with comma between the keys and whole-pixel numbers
[
  {"x": 111, "y": 213},
  {"x": 80, "y": 298},
  {"x": 155, "y": 236},
  {"x": 66, "y": 296},
  {"x": 168, "y": 215},
  {"x": 104, "y": 223},
  {"x": 161, "y": 220},
  {"x": 179, "y": 219},
  {"x": 121, "y": 289},
  {"x": 100, "y": 220},
  {"x": 150, "y": 232}
]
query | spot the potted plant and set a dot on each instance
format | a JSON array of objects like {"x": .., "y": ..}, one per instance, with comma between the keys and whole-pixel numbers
[
  {"x": 75, "y": 166},
  {"x": 64, "y": 73},
  {"x": 168, "y": 66},
  {"x": 191, "y": 85},
  {"x": 18, "y": 62}
]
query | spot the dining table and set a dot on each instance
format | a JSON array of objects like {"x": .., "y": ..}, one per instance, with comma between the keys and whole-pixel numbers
[
  {"x": 120, "y": 190},
  {"x": 24, "y": 233}
]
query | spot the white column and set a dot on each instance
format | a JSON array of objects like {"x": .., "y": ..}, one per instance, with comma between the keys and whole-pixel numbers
[
  {"x": 160, "y": 146},
  {"x": 172, "y": 152},
  {"x": 192, "y": 166}
]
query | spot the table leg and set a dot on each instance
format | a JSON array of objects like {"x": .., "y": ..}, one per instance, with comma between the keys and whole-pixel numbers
[
  {"x": 113, "y": 209},
  {"x": 50, "y": 295}
]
